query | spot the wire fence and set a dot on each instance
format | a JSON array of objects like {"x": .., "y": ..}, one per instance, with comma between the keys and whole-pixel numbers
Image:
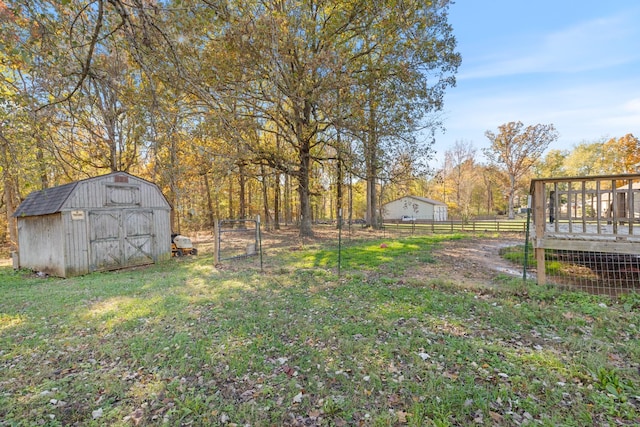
[
  {"x": 597, "y": 272},
  {"x": 236, "y": 239},
  {"x": 592, "y": 271}
]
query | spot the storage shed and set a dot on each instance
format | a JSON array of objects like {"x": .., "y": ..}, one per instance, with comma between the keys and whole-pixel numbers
[
  {"x": 420, "y": 208},
  {"x": 102, "y": 223}
]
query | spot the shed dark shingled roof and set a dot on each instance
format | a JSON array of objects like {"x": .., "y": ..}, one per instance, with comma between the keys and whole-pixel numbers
[{"x": 45, "y": 202}]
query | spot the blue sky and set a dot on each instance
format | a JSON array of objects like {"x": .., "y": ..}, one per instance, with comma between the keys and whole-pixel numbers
[{"x": 575, "y": 64}]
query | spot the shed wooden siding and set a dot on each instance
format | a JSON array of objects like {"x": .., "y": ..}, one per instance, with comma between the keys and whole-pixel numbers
[
  {"x": 42, "y": 245},
  {"x": 101, "y": 223},
  {"x": 75, "y": 247},
  {"x": 105, "y": 194}
]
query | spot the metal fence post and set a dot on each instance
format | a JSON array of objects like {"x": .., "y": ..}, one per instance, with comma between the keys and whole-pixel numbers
[
  {"x": 259, "y": 239},
  {"x": 339, "y": 240}
]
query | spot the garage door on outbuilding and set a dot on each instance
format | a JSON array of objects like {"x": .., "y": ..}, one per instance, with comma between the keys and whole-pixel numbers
[{"x": 102, "y": 223}]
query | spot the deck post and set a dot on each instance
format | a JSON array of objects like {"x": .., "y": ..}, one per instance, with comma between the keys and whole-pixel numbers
[{"x": 539, "y": 220}]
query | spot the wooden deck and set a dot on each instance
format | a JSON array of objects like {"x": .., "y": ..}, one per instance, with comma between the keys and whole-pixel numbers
[{"x": 591, "y": 214}]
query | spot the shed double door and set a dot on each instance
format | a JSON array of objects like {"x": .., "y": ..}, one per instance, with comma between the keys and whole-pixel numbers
[{"x": 120, "y": 238}]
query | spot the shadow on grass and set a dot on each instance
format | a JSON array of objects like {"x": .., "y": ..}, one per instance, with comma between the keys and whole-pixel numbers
[{"x": 395, "y": 253}]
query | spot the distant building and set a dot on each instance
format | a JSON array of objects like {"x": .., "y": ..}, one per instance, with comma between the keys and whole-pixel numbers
[{"x": 421, "y": 208}]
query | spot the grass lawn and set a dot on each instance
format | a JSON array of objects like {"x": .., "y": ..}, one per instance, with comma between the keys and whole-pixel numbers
[{"x": 184, "y": 343}]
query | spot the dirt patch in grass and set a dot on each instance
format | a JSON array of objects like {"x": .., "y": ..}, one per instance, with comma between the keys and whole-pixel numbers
[{"x": 473, "y": 261}]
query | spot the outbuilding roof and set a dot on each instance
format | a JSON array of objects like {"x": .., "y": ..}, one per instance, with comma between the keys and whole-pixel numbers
[
  {"x": 52, "y": 200},
  {"x": 45, "y": 202}
]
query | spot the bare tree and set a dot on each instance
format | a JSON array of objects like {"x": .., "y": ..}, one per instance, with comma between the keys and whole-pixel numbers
[
  {"x": 516, "y": 149},
  {"x": 459, "y": 163}
]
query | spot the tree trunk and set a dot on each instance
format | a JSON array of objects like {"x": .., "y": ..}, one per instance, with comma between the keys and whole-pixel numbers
[
  {"x": 287, "y": 200},
  {"x": 242, "y": 182},
  {"x": 276, "y": 202},
  {"x": 10, "y": 202},
  {"x": 303, "y": 190},
  {"x": 339, "y": 192},
  {"x": 249, "y": 193},
  {"x": 372, "y": 193},
  {"x": 109, "y": 122},
  {"x": 9, "y": 193},
  {"x": 230, "y": 196},
  {"x": 173, "y": 186},
  {"x": 371, "y": 162},
  {"x": 350, "y": 198},
  {"x": 42, "y": 165},
  {"x": 216, "y": 213},
  {"x": 265, "y": 198},
  {"x": 487, "y": 182},
  {"x": 512, "y": 190},
  {"x": 207, "y": 188},
  {"x": 305, "y": 208}
]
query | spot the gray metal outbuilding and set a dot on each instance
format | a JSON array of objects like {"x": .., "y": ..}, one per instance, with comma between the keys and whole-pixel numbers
[
  {"x": 102, "y": 223},
  {"x": 420, "y": 208}
]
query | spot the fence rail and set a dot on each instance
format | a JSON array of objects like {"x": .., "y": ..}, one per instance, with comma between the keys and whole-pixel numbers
[{"x": 506, "y": 226}]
